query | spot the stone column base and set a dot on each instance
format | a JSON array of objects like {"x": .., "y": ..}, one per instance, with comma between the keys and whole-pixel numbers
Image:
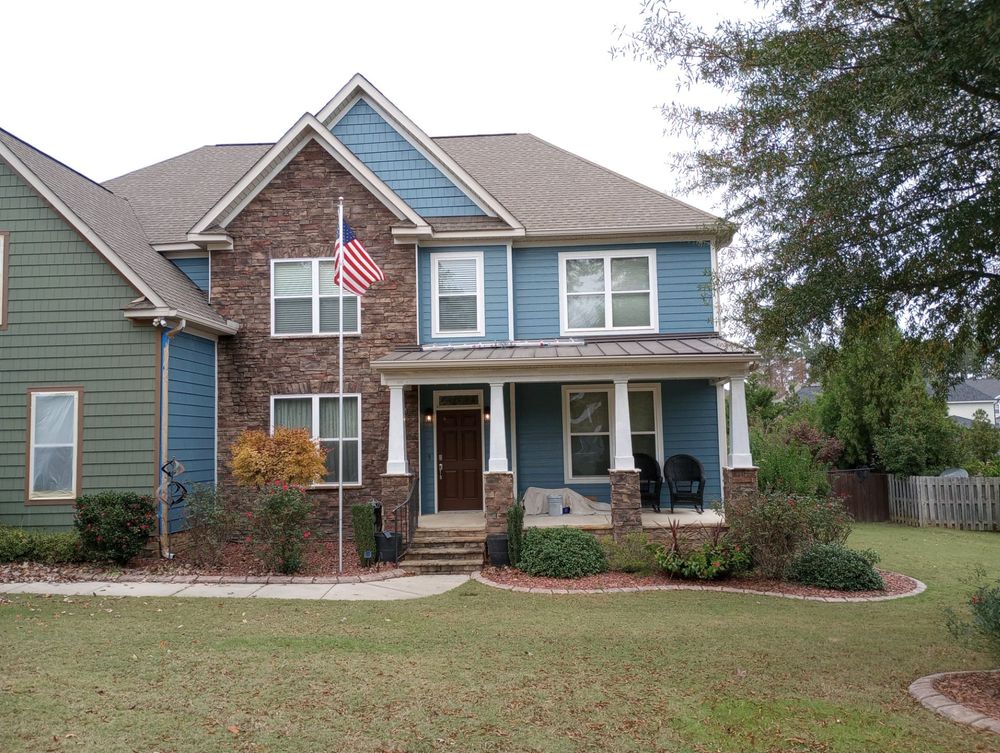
[
  {"x": 626, "y": 503},
  {"x": 738, "y": 484},
  {"x": 395, "y": 487},
  {"x": 498, "y": 494}
]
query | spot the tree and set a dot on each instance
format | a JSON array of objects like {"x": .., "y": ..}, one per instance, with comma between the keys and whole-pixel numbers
[
  {"x": 857, "y": 146},
  {"x": 920, "y": 439},
  {"x": 982, "y": 440}
]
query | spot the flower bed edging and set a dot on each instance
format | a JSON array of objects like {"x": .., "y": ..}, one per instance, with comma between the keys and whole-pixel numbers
[
  {"x": 919, "y": 588},
  {"x": 253, "y": 579},
  {"x": 923, "y": 691}
]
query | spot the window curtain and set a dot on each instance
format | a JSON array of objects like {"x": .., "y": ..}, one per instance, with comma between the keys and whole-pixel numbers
[
  {"x": 54, "y": 445},
  {"x": 293, "y": 413}
]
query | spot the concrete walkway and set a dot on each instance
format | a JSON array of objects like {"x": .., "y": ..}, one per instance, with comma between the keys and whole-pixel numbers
[{"x": 386, "y": 590}]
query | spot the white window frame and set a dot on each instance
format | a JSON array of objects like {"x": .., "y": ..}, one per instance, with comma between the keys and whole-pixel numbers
[
  {"x": 34, "y": 394},
  {"x": 480, "y": 330},
  {"x": 650, "y": 256},
  {"x": 567, "y": 389},
  {"x": 315, "y": 429},
  {"x": 315, "y": 302}
]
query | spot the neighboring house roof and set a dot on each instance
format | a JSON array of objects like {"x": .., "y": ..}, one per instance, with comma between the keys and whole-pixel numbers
[
  {"x": 171, "y": 196},
  {"x": 961, "y": 421},
  {"x": 554, "y": 192},
  {"x": 108, "y": 222},
  {"x": 975, "y": 391},
  {"x": 808, "y": 393}
]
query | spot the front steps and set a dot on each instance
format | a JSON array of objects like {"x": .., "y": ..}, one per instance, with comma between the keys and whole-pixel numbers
[{"x": 442, "y": 550}]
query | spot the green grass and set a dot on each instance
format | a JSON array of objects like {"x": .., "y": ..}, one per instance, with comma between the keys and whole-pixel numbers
[{"x": 483, "y": 669}]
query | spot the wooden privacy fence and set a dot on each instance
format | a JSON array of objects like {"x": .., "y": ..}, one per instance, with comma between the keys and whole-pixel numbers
[
  {"x": 970, "y": 503},
  {"x": 865, "y": 494}
]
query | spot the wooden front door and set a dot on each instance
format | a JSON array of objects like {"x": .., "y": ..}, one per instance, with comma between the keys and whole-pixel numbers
[{"x": 459, "y": 460}]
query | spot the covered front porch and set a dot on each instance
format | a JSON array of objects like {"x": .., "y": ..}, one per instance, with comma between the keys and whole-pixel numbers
[{"x": 501, "y": 422}]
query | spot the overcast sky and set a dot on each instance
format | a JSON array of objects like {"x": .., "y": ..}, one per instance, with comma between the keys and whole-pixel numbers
[{"x": 109, "y": 87}]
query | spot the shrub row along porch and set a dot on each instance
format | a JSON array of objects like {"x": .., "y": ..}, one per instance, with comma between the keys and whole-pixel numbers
[{"x": 498, "y": 421}]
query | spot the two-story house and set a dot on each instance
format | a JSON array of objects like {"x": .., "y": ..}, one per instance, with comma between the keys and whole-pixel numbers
[{"x": 542, "y": 320}]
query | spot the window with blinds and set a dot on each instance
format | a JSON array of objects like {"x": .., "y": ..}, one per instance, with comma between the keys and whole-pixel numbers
[
  {"x": 305, "y": 300},
  {"x": 457, "y": 295},
  {"x": 319, "y": 414}
]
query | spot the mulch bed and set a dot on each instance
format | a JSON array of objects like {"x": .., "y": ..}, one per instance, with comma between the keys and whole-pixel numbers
[
  {"x": 237, "y": 561},
  {"x": 977, "y": 690},
  {"x": 895, "y": 584}
]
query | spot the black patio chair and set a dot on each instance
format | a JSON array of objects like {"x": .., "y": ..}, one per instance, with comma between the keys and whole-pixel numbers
[
  {"x": 685, "y": 477},
  {"x": 650, "y": 480}
]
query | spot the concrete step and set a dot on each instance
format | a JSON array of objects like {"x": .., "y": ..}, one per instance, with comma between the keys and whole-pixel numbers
[
  {"x": 423, "y": 567},
  {"x": 439, "y": 537},
  {"x": 441, "y": 551}
]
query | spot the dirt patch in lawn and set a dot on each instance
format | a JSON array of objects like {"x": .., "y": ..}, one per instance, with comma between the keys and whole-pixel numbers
[
  {"x": 977, "y": 690},
  {"x": 237, "y": 560},
  {"x": 896, "y": 584}
]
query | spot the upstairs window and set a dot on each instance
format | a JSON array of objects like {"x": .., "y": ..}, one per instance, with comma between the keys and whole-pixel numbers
[
  {"x": 53, "y": 445},
  {"x": 305, "y": 300},
  {"x": 457, "y": 295},
  {"x": 319, "y": 415},
  {"x": 609, "y": 291}
]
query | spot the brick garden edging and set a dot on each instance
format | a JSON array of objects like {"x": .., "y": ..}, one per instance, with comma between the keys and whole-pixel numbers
[
  {"x": 918, "y": 589},
  {"x": 923, "y": 691}
]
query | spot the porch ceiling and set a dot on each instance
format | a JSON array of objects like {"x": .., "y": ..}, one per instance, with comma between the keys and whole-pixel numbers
[{"x": 599, "y": 358}]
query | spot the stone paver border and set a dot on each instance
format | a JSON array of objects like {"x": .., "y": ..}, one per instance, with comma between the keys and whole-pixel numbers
[
  {"x": 923, "y": 690},
  {"x": 263, "y": 580},
  {"x": 918, "y": 589}
]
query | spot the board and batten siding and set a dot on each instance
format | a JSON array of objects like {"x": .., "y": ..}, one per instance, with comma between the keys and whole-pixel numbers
[
  {"x": 196, "y": 268},
  {"x": 65, "y": 328},
  {"x": 684, "y": 295},
  {"x": 494, "y": 290},
  {"x": 404, "y": 169},
  {"x": 191, "y": 413},
  {"x": 690, "y": 426}
]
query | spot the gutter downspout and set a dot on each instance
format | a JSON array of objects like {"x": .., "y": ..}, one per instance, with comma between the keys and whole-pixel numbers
[{"x": 163, "y": 507}]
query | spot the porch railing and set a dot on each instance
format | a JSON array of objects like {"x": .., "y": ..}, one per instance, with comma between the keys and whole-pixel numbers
[{"x": 402, "y": 518}]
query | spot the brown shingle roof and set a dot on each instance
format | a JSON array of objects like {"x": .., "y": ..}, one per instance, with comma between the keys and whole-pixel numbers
[{"x": 112, "y": 219}]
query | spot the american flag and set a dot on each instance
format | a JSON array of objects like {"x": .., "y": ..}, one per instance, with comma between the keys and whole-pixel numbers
[{"x": 359, "y": 269}]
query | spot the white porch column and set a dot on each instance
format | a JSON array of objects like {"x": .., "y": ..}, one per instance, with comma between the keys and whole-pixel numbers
[
  {"x": 624, "y": 461},
  {"x": 498, "y": 430},
  {"x": 739, "y": 431},
  {"x": 396, "y": 464}
]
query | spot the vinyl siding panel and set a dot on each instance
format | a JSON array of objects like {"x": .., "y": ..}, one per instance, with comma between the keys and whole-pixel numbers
[
  {"x": 494, "y": 289},
  {"x": 66, "y": 329},
  {"x": 403, "y": 168},
  {"x": 196, "y": 269},
  {"x": 684, "y": 297},
  {"x": 191, "y": 427}
]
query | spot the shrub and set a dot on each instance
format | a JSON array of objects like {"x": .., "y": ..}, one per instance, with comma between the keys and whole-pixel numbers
[
  {"x": 211, "y": 519},
  {"x": 288, "y": 456},
  {"x": 835, "y": 566},
  {"x": 990, "y": 468},
  {"x": 16, "y": 544},
  {"x": 709, "y": 562},
  {"x": 515, "y": 533},
  {"x": 57, "y": 548},
  {"x": 114, "y": 525},
  {"x": 631, "y": 554},
  {"x": 561, "y": 553},
  {"x": 775, "y": 527},
  {"x": 981, "y": 630},
  {"x": 363, "y": 517},
  {"x": 279, "y": 527}
]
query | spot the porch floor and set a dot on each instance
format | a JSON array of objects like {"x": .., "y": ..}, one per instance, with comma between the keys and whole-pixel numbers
[{"x": 475, "y": 520}]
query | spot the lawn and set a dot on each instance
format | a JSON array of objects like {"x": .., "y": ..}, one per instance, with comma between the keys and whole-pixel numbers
[{"x": 483, "y": 669}]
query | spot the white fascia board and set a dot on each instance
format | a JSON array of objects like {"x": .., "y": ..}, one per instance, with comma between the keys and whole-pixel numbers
[
  {"x": 229, "y": 328},
  {"x": 359, "y": 86},
  {"x": 632, "y": 234},
  {"x": 454, "y": 236},
  {"x": 307, "y": 128},
  {"x": 79, "y": 225},
  {"x": 164, "y": 248},
  {"x": 197, "y": 253}
]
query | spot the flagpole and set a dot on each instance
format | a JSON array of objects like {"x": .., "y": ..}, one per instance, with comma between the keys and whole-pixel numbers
[{"x": 340, "y": 387}]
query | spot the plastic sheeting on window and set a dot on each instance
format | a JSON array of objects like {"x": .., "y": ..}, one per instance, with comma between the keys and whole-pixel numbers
[{"x": 53, "y": 437}]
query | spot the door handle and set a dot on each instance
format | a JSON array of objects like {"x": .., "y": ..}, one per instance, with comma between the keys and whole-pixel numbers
[{"x": 440, "y": 471}]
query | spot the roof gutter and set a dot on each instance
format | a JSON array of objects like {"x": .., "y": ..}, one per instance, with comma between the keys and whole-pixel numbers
[
  {"x": 498, "y": 364},
  {"x": 229, "y": 328}
]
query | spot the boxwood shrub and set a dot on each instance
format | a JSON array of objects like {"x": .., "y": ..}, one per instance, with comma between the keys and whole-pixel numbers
[
  {"x": 837, "y": 567},
  {"x": 561, "y": 553},
  {"x": 49, "y": 547}
]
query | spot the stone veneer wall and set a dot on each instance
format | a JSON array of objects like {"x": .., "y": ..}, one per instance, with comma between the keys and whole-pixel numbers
[
  {"x": 738, "y": 484},
  {"x": 498, "y": 495},
  {"x": 295, "y": 216},
  {"x": 626, "y": 503}
]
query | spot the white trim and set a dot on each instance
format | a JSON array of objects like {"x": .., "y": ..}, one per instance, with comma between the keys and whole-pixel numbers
[
  {"x": 609, "y": 390},
  {"x": 79, "y": 225},
  {"x": 305, "y": 129},
  {"x": 482, "y": 431},
  {"x": 168, "y": 248},
  {"x": 315, "y": 398},
  {"x": 723, "y": 435},
  {"x": 75, "y": 491},
  {"x": 193, "y": 253},
  {"x": 4, "y": 266},
  {"x": 315, "y": 296},
  {"x": 510, "y": 291},
  {"x": 416, "y": 292},
  {"x": 359, "y": 86},
  {"x": 480, "y": 330},
  {"x": 606, "y": 256},
  {"x": 610, "y": 237},
  {"x": 229, "y": 328},
  {"x": 513, "y": 434},
  {"x": 460, "y": 237}
]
